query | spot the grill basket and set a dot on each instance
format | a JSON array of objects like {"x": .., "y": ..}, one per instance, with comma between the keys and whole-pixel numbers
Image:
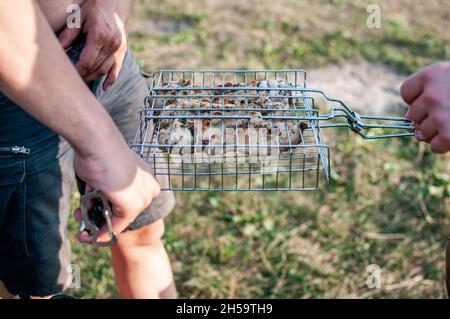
[{"x": 244, "y": 130}]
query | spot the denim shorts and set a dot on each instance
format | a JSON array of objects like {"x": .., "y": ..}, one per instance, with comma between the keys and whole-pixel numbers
[{"x": 36, "y": 187}]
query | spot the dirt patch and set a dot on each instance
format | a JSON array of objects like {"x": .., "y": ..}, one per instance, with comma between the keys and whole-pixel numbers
[{"x": 367, "y": 88}]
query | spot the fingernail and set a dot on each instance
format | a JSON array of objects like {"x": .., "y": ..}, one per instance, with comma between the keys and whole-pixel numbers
[
  {"x": 84, "y": 238},
  {"x": 419, "y": 135}
]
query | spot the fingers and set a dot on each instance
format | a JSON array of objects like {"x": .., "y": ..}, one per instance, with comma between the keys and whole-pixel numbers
[
  {"x": 114, "y": 72},
  {"x": 121, "y": 221},
  {"x": 417, "y": 111},
  {"x": 105, "y": 64},
  {"x": 89, "y": 55},
  {"x": 104, "y": 68},
  {"x": 412, "y": 88},
  {"x": 414, "y": 127},
  {"x": 68, "y": 35},
  {"x": 130, "y": 195},
  {"x": 78, "y": 215},
  {"x": 83, "y": 237},
  {"x": 410, "y": 91},
  {"x": 147, "y": 189},
  {"x": 111, "y": 67},
  {"x": 119, "y": 224},
  {"x": 104, "y": 44},
  {"x": 112, "y": 77},
  {"x": 441, "y": 143},
  {"x": 153, "y": 183},
  {"x": 111, "y": 45},
  {"x": 427, "y": 130},
  {"x": 101, "y": 59}
]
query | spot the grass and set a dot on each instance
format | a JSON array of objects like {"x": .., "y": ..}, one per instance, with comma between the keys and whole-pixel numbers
[{"x": 388, "y": 202}]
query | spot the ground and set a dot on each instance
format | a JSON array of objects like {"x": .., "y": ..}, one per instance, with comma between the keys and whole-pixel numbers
[{"x": 388, "y": 202}]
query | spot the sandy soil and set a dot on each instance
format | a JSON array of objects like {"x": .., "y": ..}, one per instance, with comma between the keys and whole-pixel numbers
[{"x": 365, "y": 87}]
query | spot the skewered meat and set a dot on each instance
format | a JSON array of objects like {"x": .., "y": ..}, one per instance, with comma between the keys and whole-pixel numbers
[
  {"x": 176, "y": 134},
  {"x": 230, "y": 109},
  {"x": 212, "y": 136},
  {"x": 257, "y": 120}
]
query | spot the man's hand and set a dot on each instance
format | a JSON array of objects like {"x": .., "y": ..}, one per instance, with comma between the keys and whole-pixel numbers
[
  {"x": 428, "y": 94},
  {"x": 124, "y": 180},
  {"x": 104, "y": 22}
]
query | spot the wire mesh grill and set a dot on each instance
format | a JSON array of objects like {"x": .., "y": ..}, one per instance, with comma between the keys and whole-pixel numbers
[{"x": 241, "y": 130}]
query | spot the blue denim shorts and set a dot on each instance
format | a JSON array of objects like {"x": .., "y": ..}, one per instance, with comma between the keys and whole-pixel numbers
[{"x": 36, "y": 187}]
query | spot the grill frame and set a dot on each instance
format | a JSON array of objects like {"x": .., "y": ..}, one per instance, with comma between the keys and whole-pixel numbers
[{"x": 302, "y": 164}]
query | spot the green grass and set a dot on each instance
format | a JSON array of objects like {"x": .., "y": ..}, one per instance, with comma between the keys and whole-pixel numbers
[{"x": 388, "y": 201}]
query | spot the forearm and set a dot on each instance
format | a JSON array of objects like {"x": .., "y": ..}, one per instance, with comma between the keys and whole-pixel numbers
[{"x": 36, "y": 74}]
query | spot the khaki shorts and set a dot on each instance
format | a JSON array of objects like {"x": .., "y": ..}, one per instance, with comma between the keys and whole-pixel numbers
[{"x": 35, "y": 189}]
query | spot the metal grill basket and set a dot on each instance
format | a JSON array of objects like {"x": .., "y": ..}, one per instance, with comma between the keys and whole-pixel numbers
[{"x": 244, "y": 130}]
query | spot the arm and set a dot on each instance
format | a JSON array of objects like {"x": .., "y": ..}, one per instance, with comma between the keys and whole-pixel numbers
[
  {"x": 28, "y": 46},
  {"x": 36, "y": 74},
  {"x": 428, "y": 94},
  {"x": 104, "y": 23}
]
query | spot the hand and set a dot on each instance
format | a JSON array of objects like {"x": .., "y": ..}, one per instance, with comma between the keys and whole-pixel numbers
[
  {"x": 428, "y": 94},
  {"x": 124, "y": 180},
  {"x": 104, "y": 24}
]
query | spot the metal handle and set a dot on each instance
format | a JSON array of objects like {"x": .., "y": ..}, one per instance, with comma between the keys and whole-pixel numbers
[
  {"x": 95, "y": 218},
  {"x": 356, "y": 123},
  {"x": 354, "y": 120}
]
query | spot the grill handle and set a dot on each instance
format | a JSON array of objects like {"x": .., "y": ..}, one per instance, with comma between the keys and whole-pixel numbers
[{"x": 358, "y": 124}]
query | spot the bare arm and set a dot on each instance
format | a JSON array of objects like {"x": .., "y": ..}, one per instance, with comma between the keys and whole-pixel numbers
[{"x": 36, "y": 74}]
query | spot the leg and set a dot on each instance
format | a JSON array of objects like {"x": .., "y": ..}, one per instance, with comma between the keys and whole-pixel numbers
[{"x": 141, "y": 264}]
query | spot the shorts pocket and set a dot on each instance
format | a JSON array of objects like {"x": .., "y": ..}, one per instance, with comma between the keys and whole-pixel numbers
[
  {"x": 12, "y": 205},
  {"x": 12, "y": 169}
]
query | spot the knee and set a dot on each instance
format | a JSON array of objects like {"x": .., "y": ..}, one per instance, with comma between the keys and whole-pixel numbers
[
  {"x": 152, "y": 234},
  {"x": 147, "y": 236}
]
